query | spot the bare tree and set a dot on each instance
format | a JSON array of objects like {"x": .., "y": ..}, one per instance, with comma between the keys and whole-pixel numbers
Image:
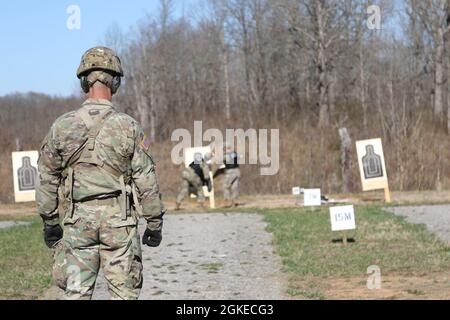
[
  {"x": 319, "y": 26},
  {"x": 433, "y": 14}
]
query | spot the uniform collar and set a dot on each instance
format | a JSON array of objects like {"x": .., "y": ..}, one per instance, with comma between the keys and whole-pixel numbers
[{"x": 97, "y": 102}]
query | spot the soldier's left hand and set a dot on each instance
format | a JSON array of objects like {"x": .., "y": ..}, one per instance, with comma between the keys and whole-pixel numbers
[
  {"x": 52, "y": 235},
  {"x": 152, "y": 238}
]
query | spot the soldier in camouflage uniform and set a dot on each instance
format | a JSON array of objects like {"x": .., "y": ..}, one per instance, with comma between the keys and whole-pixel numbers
[
  {"x": 195, "y": 176},
  {"x": 232, "y": 177},
  {"x": 97, "y": 176}
]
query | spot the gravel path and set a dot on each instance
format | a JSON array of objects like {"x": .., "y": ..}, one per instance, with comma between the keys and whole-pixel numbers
[
  {"x": 436, "y": 218},
  {"x": 210, "y": 256}
]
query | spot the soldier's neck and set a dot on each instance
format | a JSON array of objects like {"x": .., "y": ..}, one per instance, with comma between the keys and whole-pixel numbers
[{"x": 100, "y": 91}]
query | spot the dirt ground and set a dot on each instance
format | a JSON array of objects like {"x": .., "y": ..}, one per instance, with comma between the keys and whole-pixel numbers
[
  {"x": 290, "y": 201},
  {"x": 397, "y": 287},
  {"x": 276, "y": 201}
]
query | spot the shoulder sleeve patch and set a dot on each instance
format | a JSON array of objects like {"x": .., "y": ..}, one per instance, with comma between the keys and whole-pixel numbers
[{"x": 145, "y": 143}]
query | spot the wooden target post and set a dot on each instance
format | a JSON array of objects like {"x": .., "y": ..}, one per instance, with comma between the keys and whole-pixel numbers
[
  {"x": 387, "y": 195},
  {"x": 212, "y": 201},
  {"x": 210, "y": 194}
]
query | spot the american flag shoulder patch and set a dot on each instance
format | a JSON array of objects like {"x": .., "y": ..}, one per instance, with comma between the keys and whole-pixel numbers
[{"x": 145, "y": 143}]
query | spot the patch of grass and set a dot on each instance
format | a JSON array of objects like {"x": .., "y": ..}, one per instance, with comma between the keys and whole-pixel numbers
[
  {"x": 303, "y": 239},
  {"x": 212, "y": 267},
  {"x": 294, "y": 291},
  {"x": 9, "y": 217},
  {"x": 25, "y": 261},
  {"x": 415, "y": 292}
]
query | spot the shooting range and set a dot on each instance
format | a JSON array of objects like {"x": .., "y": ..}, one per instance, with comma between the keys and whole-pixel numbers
[
  {"x": 372, "y": 166},
  {"x": 25, "y": 175},
  {"x": 189, "y": 154},
  {"x": 220, "y": 150}
]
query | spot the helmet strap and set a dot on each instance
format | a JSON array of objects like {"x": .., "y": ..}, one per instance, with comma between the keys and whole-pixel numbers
[
  {"x": 85, "y": 84},
  {"x": 117, "y": 80}
]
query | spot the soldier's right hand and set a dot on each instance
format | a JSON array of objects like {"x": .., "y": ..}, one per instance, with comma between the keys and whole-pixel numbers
[
  {"x": 52, "y": 234},
  {"x": 152, "y": 238}
]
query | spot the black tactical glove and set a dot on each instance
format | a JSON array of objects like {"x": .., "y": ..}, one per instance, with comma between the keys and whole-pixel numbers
[
  {"x": 152, "y": 238},
  {"x": 52, "y": 234}
]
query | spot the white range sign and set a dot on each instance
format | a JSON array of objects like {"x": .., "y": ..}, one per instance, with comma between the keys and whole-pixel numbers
[
  {"x": 342, "y": 218},
  {"x": 312, "y": 197}
]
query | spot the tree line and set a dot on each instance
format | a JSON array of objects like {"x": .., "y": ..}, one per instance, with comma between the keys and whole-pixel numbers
[{"x": 306, "y": 67}]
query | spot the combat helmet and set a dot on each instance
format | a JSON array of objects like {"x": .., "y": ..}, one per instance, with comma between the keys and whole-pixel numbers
[{"x": 100, "y": 60}]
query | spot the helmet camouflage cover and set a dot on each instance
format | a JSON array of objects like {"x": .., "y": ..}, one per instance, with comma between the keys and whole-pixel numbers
[{"x": 100, "y": 58}]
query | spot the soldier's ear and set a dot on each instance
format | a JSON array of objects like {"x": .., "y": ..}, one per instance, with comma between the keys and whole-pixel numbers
[
  {"x": 84, "y": 84},
  {"x": 115, "y": 84}
]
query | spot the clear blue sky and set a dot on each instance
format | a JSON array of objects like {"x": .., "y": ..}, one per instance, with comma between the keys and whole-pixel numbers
[{"x": 39, "y": 53}]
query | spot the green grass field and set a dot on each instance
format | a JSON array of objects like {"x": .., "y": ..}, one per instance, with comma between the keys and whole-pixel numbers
[
  {"x": 24, "y": 261},
  {"x": 303, "y": 238}
]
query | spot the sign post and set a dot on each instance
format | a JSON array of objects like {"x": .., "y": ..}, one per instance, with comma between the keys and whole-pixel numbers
[{"x": 372, "y": 166}]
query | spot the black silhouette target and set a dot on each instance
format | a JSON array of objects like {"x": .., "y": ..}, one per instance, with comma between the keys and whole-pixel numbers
[
  {"x": 373, "y": 167},
  {"x": 27, "y": 175}
]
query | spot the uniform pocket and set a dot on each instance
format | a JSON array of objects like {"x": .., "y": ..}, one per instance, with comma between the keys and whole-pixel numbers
[
  {"x": 131, "y": 221},
  {"x": 59, "y": 265},
  {"x": 136, "y": 263},
  {"x": 116, "y": 221}
]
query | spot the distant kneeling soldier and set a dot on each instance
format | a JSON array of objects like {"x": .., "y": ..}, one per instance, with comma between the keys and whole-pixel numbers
[
  {"x": 96, "y": 172},
  {"x": 195, "y": 176}
]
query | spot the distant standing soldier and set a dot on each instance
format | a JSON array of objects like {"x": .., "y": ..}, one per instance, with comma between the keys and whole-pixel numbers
[
  {"x": 195, "y": 176},
  {"x": 232, "y": 177},
  {"x": 96, "y": 172}
]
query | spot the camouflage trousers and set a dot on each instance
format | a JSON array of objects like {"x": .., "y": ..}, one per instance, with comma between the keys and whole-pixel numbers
[
  {"x": 191, "y": 183},
  {"x": 231, "y": 184},
  {"x": 97, "y": 236}
]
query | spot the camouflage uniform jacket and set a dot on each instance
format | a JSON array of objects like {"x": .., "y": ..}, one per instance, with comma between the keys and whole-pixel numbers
[
  {"x": 120, "y": 144},
  {"x": 200, "y": 170}
]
